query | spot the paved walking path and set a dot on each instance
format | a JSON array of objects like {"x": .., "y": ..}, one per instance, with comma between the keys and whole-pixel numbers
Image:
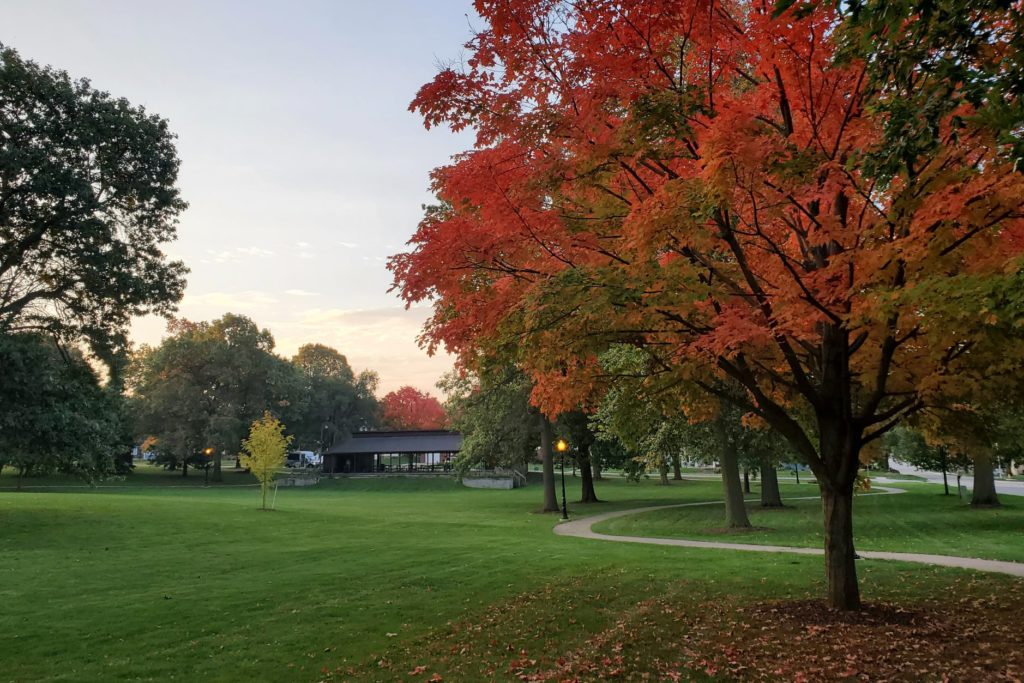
[{"x": 582, "y": 528}]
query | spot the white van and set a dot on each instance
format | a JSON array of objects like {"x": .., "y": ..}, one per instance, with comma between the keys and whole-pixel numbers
[{"x": 303, "y": 459}]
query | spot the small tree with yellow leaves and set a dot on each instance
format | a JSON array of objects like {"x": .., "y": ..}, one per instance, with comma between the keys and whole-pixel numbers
[{"x": 265, "y": 451}]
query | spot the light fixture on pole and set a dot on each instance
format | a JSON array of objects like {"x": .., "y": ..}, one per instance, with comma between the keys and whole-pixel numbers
[{"x": 561, "y": 446}]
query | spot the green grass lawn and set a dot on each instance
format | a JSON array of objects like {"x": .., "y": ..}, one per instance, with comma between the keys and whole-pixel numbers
[
  {"x": 150, "y": 578},
  {"x": 921, "y": 520}
]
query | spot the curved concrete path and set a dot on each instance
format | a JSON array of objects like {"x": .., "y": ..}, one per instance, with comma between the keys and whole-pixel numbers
[{"x": 582, "y": 528}]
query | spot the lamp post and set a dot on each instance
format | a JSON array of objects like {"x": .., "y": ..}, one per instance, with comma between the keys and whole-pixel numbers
[
  {"x": 206, "y": 466},
  {"x": 562, "y": 447}
]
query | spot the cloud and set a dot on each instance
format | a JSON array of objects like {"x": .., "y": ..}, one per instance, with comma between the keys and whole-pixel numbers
[
  {"x": 347, "y": 245},
  {"x": 219, "y": 302},
  {"x": 381, "y": 339},
  {"x": 235, "y": 254},
  {"x": 300, "y": 292}
]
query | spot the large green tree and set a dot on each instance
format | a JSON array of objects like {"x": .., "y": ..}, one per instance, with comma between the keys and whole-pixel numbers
[
  {"x": 88, "y": 199},
  {"x": 332, "y": 401},
  {"x": 56, "y": 416},
  {"x": 205, "y": 384},
  {"x": 499, "y": 427}
]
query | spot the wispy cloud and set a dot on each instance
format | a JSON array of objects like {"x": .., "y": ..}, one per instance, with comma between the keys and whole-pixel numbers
[
  {"x": 382, "y": 339},
  {"x": 219, "y": 302},
  {"x": 300, "y": 292},
  {"x": 235, "y": 254}
]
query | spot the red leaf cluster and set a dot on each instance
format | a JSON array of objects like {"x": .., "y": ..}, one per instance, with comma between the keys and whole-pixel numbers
[{"x": 410, "y": 408}]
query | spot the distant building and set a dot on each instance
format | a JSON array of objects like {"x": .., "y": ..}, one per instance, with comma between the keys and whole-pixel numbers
[{"x": 404, "y": 451}]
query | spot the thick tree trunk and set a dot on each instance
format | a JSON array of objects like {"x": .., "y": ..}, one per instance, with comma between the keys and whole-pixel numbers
[
  {"x": 588, "y": 494},
  {"x": 735, "y": 510},
  {"x": 746, "y": 480},
  {"x": 677, "y": 467},
  {"x": 184, "y": 468},
  {"x": 770, "y": 496},
  {"x": 663, "y": 473},
  {"x": 840, "y": 569},
  {"x": 216, "y": 466},
  {"x": 550, "y": 499},
  {"x": 595, "y": 465},
  {"x": 984, "y": 494}
]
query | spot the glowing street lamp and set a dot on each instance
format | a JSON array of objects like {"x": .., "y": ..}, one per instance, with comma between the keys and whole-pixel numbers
[
  {"x": 561, "y": 446},
  {"x": 208, "y": 452}
]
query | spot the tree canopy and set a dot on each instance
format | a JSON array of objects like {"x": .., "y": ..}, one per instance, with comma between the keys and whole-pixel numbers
[
  {"x": 88, "y": 199},
  {"x": 499, "y": 427},
  {"x": 205, "y": 384},
  {"x": 56, "y": 416},
  {"x": 720, "y": 186},
  {"x": 409, "y": 408},
  {"x": 332, "y": 402}
]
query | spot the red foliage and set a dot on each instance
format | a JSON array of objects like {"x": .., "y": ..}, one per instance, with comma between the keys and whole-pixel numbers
[
  {"x": 695, "y": 178},
  {"x": 707, "y": 181},
  {"x": 410, "y": 408}
]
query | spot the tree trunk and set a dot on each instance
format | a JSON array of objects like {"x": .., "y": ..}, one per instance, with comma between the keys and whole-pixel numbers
[
  {"x": 595, "y": 465},
  {"x": 746, "y": 480},
  {"x": 263, "y": 492},
  {"x": 550, "y": 499},
  {"x": 677, "y": 467},
  {"x": 945, "y": 481},
  {"x": 735, "y": 510},
  {"x": 216, "y": 467},
  {"x": 663, "y": 472},
  {"x": 589, "y": 495},
  {"x": 840, "y": 569},
  {"x": 184, "y": 468},
  {"x": 770, "y": 496},
  {"x": 984, "y": 494}
]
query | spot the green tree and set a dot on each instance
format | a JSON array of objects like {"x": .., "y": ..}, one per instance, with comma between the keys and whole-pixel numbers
[
  {"x": 265, "y": 452},
  {"x": 493, "y": 414},
  {"x": 87, "y": 201},
  {"x": 204, "y": 385},
  {"x": 499, "y": 427},
  {"x": 56, "y": 416},
  {"x": 910, "y": 445},
  {"x": 332, "y": 402}
]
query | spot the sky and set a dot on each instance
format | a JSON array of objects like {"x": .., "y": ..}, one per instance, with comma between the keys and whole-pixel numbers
[{"x": 302, "y": 166}]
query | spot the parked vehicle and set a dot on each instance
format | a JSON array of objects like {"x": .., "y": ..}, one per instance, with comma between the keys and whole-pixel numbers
[{"x": 303, "y": 459}]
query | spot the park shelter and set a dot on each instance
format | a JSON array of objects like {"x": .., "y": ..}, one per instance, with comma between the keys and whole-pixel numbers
[{"x": 394, "y": 451}]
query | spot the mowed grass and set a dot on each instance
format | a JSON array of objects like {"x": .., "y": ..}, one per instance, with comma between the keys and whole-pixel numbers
[
  {"x": 366, "y": 580},
  {"x": 922, "y": 520}
]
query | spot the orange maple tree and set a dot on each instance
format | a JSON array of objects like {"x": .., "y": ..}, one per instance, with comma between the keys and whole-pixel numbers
[
  {"x": 714, "y": 183},
  {"x": 409, "y": 408}
]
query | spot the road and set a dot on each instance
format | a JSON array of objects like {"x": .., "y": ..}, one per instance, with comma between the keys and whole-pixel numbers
[{"x": 1008, "y": 488}]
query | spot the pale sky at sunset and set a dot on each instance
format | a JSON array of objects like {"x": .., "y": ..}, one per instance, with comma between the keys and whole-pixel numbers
[{"x": 301, "y": 165}]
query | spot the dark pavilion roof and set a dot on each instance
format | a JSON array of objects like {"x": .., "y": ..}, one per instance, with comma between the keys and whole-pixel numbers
[{"x": 426, "y": 441}]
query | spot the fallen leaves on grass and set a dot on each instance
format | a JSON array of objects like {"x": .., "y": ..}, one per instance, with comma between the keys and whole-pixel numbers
[{"x": 576, "y": 631}]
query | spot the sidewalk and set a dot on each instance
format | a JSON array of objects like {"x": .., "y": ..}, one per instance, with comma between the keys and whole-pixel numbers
[{"x": 582, "y": 528}]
